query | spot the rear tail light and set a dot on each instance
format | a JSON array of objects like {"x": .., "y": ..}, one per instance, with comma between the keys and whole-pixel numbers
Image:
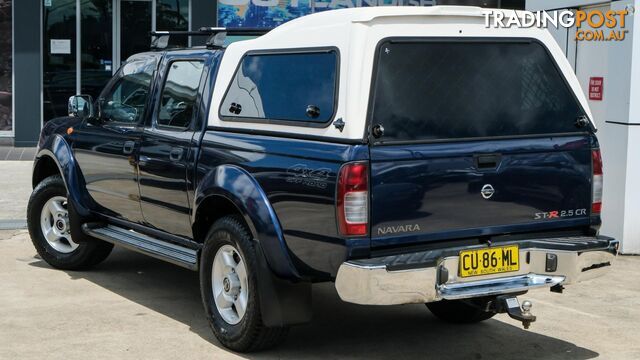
[
  {"x": 353, "y": 199},
  {"x": 596, "y": 195}
]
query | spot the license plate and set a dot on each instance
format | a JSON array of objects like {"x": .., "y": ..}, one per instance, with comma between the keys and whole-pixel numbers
[{"x": 489, "y": 261}]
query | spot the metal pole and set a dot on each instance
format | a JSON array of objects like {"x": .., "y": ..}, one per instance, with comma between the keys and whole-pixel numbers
[
  {"x": 153, "y": 15},
  {"x": 78, "y": 48},
  {"x": 115, "y": 41}
]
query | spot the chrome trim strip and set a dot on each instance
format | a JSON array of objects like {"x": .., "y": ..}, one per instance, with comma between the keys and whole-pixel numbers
[{"x": 497, "y": 286}]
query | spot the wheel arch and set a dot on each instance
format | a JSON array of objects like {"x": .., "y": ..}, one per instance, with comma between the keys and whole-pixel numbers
[
  {"x": 43, "y": 167},
  {"x": 56, "y": 157},
  {"x": 212, "y": 208},
  {"x": 229, "y": 189}
]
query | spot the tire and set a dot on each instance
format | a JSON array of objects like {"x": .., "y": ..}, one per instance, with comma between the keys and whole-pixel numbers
[
  {"x": 459, "y": 312},
  {"x": 227, "y": 243},
  {"x": 58, "y": 248}
]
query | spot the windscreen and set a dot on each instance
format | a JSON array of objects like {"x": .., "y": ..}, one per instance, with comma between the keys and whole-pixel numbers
[{"x": 437, "y": 90}]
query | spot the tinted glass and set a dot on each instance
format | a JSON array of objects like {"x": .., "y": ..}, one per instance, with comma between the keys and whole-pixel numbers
[
  {"x": 96, "y": 46},
  {"x": 125, "y": 100},
  {"x": 439, "y": 90},
  {"x": 135, "y": 25},
  {"x": 6, "y": 123},
  {"x": 179, "y": 94},
  {"x": 292, "y": 87},
  {"x": 58, "y": 56},
  {"x": 173, "y": 15}
]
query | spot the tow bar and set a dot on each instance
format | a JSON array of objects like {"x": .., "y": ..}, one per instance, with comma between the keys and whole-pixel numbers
[{"x": 511, "y": 305}]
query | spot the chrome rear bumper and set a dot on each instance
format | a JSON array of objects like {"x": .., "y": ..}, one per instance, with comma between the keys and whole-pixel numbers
[{"x": 432, "y": 276}]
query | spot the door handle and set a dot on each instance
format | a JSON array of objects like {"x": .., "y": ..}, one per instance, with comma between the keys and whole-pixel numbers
[
  {"x": 176, "y": 154},
  {"x": 487, "y": 162},
  {"x": 128, "y": 147}
]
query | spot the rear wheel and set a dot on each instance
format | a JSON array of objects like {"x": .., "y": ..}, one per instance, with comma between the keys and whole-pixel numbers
[
  {"x": 459, "y": 311},
  {"x": 230, "y": 291},
  {"x": 50, "y": 229}
]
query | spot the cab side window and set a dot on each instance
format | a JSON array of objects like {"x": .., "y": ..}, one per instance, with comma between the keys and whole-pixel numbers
[
  {"x": 179, "y": 94},
  {"x": 124, "y": 102}
]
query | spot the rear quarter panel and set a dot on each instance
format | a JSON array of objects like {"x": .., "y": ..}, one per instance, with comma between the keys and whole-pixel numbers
[{"x": 299, "y": 179}]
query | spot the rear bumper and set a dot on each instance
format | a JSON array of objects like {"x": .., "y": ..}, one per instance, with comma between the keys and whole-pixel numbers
[{"x": 433, "y": 275}]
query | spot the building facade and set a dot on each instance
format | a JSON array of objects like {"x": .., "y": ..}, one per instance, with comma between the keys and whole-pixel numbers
[
  {"x": 609, "y": 73},
  {"x": 53, "y": 49}
]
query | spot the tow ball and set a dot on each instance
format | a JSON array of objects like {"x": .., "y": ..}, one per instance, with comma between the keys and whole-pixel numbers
[{"x": 511, "y": 306}]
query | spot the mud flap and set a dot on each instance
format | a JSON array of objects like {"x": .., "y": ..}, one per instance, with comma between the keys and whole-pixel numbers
[
  {"x": 75, "y": 224},
  {"x": 282, "y": 302}
]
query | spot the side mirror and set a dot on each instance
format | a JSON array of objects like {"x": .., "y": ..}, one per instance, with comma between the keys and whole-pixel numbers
[{"x": 81, "y": 106}]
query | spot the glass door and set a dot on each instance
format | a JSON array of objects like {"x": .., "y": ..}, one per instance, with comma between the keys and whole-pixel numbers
[
  {"x": 59, "y": 56},
  {"x": 173, "y": 15},
  {"x": 96, "y": 65},
  {"x": 135, "y": 27},
  {"x": 86, "y": 41},
  {"x": 6, "y": 68}
]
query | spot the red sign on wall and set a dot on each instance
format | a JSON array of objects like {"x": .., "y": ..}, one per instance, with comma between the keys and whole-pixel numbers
[{"x": 595, "y": 88}]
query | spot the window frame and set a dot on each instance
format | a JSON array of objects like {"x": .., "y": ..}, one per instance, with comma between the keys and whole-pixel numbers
[
  {"x": 165, "y": 76},
  {"x": 439, "y": 39},
  {"x": 298, "y": 123}
]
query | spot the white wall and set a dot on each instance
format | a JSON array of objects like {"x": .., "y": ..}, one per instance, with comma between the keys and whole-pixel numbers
[
  {"x": 617, "y": 116},
  {"x": 631, "y": 233}
]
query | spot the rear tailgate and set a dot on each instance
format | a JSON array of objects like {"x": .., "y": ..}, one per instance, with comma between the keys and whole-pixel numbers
[
  {"x": 431, "y": 192},
  {"x": 479, "y": 139}
]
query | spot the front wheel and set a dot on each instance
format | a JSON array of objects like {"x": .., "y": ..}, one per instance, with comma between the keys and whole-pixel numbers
[
  {"x": 459, "y": 311},
  {"x": 50, "y": 229},
  {"x": 230, "y": 291}
]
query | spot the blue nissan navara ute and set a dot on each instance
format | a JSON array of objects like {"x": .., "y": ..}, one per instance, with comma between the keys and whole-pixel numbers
[{"x": 410, "y": 155}]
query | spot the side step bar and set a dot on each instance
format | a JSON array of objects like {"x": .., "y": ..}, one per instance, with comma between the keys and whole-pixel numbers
[{"x": 159, "y": 249}]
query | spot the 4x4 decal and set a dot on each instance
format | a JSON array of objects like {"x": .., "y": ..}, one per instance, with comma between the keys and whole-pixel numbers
[{"x": 302, "y": 174}]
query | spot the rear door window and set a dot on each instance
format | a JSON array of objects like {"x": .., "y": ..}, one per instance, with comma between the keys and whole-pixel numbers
[
  {"x": 435, "y": 90},
  {"x": 179, "y": 95},
  {"x": 295, "y": 88}
]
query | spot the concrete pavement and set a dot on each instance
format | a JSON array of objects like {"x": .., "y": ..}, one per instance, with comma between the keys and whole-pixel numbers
[
  {"x": 15, "y": 186},
  {"x": 14, "y": 153},
  {"x": 135, "y": 307}
]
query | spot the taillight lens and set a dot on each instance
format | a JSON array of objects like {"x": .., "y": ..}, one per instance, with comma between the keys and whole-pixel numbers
[
  {"x": 596, "y": 195},
  {"x": 353, "y": 199}
]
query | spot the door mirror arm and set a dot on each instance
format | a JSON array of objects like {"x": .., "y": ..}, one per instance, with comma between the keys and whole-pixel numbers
[{"x": 96, "y": 118}]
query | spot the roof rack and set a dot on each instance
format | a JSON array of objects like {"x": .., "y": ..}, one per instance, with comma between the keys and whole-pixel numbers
[{"x": 215, "y": 40}]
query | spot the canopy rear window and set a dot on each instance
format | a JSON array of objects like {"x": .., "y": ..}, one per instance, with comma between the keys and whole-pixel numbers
[{"x": 438, "y": 90}]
